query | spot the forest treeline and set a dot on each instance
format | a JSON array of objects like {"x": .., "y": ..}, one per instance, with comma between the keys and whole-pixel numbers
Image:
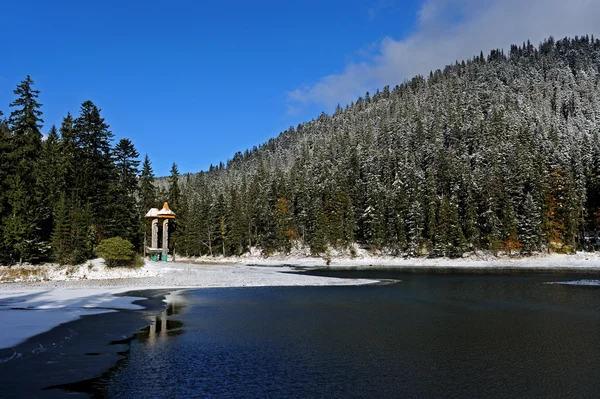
[
  {"x": 60, "y": 196},
  {"x": 499, "y": 152}
]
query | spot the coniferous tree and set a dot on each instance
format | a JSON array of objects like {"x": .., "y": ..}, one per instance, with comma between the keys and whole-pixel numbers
[
  {"x": 237, "y": 230},
  {"x": 283, "y": 225},
  {"x": 49, "y": 181},
  {"x": 124, "y": 211},
  {"x": 5, "y": 169},
  {"x": 68, "y": 152},
  {"x": 21, "y": 227},
  {"x": 95, "y": 169},
  {"x": 174, "y": 199},
  {"x": 49, "y": 167},
  {"x": 449, "y": 240},
  {"x": 148, "y": 197},
  {"x": 530, "y": 225},
  {"x": 182, "y": 234},
  {"x": 147, "y": 188},
  {"x": 73, "y": 236},
  {"x": 174, "y": 193},
  {"x": 317, "y": 228},
  {"x": 70, "y": 241},
  {"x": 25, "y": 123}
]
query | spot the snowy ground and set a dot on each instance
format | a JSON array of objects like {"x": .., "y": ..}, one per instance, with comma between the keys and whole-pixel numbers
[
  {"x": 185, "y": 270},
  {"x": 364, "y": 260},
  {"x": 91, "y": 270}
]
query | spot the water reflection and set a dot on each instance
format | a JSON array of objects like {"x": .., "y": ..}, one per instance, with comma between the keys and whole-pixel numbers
[
  {"x": 161, "y": 326},
  {"x": 430, "y": 336}
]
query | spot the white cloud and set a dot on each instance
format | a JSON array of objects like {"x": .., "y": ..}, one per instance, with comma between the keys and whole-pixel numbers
[{"x": 450, "y": 30}]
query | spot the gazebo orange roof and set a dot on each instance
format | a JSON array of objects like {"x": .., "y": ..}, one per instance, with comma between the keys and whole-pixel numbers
[{"x": 164, "y": 213}]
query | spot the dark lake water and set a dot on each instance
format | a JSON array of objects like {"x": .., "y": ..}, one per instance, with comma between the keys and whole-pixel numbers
[{"x": 426, "y": 336}]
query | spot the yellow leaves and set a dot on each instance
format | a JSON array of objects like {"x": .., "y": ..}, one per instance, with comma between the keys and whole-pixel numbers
[
  {"x": 512, "y": 244},
  {"x": 282, "y": 206}
]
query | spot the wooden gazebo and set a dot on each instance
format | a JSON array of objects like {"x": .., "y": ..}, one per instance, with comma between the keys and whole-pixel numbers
[{"x": 165, "y": 214}]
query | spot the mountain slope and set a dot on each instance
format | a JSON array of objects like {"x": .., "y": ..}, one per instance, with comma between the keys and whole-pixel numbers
[{"x": 499, "y": 152}]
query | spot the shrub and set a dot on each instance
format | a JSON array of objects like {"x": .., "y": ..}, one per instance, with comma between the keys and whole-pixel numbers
[
  {"x": 116, "y": 251},
  {"x": 138, "y": 261}
]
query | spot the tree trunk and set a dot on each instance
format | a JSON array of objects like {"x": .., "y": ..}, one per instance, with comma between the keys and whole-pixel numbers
[{"x": 249, "y": 236}]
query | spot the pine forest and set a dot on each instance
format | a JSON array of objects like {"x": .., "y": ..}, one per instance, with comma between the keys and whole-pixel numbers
[{"x": 497, "y": 153}]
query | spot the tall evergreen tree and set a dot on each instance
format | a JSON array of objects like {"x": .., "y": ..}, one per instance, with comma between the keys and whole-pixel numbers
[
  {"x": 147, "y": 188},
  {"x": 95, "y": 170},
  {"x": 21, "y": 228},
  {"x": 175, "y": 203},
  {"x": 174, "y": 190},
  {"x": 49, "y": 180},
  {"x": 49, "y": 166},
  {"x": 147, "y": 199},
  {"x": 68, "y": 152},
  {"x": 5, "y": 170},
  {"x": 73, "y": 234},
  {"x": 25, "y": 123},
  {"x": 124, "y": 211}
]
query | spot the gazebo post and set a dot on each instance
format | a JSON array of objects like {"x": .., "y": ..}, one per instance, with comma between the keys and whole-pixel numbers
[
  {"x": 154, "y": 233},
  {"x": 165, "y": 243}
]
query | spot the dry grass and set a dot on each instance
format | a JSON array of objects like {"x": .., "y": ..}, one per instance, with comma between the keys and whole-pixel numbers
[
  {"x": 71, "y": 270},
  {"x": 16, "y": 273}
]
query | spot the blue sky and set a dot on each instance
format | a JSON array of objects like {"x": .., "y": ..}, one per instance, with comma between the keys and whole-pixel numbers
[{"x": 193, "y": 82}]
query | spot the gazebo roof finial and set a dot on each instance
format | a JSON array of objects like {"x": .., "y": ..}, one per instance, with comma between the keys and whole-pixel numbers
[{"x": 165, "y": 212}]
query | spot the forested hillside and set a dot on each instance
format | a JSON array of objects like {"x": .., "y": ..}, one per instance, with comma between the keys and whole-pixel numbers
[{"x": 499, "y": 153}]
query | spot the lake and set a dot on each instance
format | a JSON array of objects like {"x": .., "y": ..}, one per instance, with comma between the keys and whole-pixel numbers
[
  {"x": 414, "y": 335},
  {"x": 423, "y": 336}
]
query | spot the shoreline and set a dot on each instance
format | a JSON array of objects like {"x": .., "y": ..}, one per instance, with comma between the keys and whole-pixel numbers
[
  {"x": 99, "y": 289},
  {"x": 34, "y": 307},
  {"x": 459, "y": 269},
  {"x": 95, "y": 270},
  {"x": 581, "y": 262}
]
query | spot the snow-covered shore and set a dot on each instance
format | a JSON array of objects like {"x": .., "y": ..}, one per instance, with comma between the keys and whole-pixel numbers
[
  {"x": 184, "y": 271},
  {"x": 34, "y": 299},
  {"x": 31, "y": 307},
  {"x": 584, "y": 261}
]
